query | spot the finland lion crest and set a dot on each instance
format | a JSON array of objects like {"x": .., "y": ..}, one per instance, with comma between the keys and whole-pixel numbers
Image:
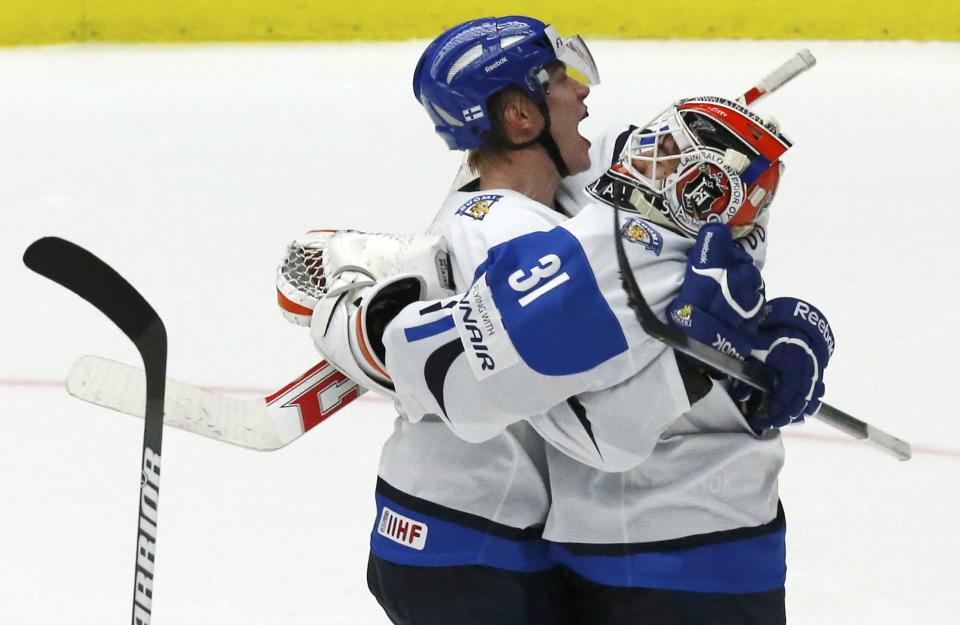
[
  {"x": 477, "y": 207},
  {"x": 636, "y": 231},
  {"x": 683, "y": 316}
]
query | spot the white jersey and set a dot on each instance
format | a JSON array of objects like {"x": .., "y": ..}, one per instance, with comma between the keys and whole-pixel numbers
[
  {"x": 544, "y": 335},
  {"x": 502, "y": 479},
  {"x": 496, "y": 486}
]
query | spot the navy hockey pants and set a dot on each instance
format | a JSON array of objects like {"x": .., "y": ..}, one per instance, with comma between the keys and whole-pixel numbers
[{"x": 468, "y": 595}]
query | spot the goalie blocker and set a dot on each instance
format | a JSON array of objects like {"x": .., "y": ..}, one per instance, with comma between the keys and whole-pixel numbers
[{"x": 347, "y": 285}]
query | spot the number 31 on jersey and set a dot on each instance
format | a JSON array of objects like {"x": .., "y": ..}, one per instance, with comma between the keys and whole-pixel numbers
[
  {"x": 547, "y": 297},
  {"x": 532, "y": 282}
]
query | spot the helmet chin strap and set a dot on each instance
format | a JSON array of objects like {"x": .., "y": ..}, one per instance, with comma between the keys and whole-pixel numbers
[
  {"x": 545, "y": 139},
  {"x": 549, "y": 144}
]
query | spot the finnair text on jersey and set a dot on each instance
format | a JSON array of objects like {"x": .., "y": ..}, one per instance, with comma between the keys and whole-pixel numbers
[{"x": 476, "y": 333}]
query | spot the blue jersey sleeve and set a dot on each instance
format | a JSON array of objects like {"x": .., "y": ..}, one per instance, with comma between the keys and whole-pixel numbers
[{"x": 550, "y": 305}]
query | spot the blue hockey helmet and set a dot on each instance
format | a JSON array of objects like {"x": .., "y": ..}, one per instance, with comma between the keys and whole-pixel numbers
[{"x": 463, "y": 67}]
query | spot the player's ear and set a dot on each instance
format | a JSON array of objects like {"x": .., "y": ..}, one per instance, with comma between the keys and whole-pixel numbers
[{"x": 520, "y": 119}]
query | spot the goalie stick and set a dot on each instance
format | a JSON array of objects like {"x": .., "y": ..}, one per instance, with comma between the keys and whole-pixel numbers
[
  {"x": 263, "y": 424},
  {"x": 746, "y": 371},
  {"x": 795, "y": 65},
  {"x": 272, "y": 422},
  {"x": 89, "y": 277}
]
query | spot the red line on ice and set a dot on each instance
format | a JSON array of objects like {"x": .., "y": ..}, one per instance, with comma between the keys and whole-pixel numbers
[
  {"x": 372, "y": 397},
  {"x": 238, "y": 390}
]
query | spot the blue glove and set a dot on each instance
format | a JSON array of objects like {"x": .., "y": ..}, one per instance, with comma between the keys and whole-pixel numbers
[
  {"x": 722, "y": 294},
  {"x": 795, "y": 342}
]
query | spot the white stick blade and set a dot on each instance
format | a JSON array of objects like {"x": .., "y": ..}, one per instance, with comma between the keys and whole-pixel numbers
[{"x": 120, "y": 387}]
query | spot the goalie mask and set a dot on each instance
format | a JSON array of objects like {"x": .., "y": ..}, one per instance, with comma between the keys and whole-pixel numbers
[{"x": 703, "y": 160}]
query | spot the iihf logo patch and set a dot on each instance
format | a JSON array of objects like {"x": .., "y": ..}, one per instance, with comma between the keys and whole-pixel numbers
[
  {"x": 403, "y": 530},
  {"x": 478, "y": 206},
  {"x": 636, "y": 231}
]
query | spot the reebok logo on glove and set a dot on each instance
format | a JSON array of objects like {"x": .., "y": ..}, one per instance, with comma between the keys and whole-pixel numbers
[
  {"x": 726, "y": 347},
  {"x": 722, "y": 295},
  {"x": 705, "y": 249},
  {"x": 814, "y": 318}
]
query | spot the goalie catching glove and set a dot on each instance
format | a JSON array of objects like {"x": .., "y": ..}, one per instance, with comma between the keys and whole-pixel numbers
[{"x": 347, "y": 286}]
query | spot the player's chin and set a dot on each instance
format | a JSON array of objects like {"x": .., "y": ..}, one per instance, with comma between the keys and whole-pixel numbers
[{"x": 579, "y": 160}]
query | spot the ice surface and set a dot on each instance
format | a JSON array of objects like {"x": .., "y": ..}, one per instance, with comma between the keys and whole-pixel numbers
[{"x": 189, "y": 169}]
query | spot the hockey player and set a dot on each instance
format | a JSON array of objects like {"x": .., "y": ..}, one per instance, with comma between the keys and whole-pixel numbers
[
  {"x": 690, "y": 530},
  {"x": 457, "y": 539}
]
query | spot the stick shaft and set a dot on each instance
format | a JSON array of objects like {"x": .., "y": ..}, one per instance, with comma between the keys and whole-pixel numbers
[{"x": 795, "y": 65}]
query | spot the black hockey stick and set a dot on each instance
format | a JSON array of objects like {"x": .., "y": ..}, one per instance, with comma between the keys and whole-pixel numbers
[
  {"x": 747, "y": 371},
  {"x": 89, "y": 277}
]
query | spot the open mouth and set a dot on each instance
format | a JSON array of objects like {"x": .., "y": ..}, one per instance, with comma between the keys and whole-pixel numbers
[{"x": 585, "y": 115}]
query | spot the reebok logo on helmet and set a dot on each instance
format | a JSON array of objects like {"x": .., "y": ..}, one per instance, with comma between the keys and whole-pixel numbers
[{"x": 495, "y": 64}]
